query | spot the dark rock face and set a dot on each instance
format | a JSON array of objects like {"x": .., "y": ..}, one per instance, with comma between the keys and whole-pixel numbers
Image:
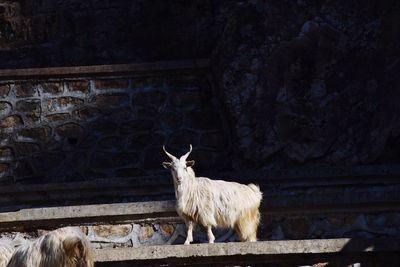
[{"x": 309, "y": 83}]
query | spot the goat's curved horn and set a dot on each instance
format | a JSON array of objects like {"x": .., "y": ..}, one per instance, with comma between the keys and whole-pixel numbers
[
  {"x": 184, "y": 157},
  {"x": 168, "y": 154}
]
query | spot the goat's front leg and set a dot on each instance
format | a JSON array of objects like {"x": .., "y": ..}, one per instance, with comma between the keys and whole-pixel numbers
[
  {"x": 189, "y": 237},
  {"x": 210, "y": 234}
]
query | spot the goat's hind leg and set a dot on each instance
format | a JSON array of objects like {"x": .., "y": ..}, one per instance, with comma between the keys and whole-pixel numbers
[
  {"x": 246, "y": 226},
  {"x": 210, "y": 234},
  {"x": 189, "y": 238}
]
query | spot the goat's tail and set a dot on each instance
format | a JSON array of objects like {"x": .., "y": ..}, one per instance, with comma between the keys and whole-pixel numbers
[{"x": 256, "y": 189}]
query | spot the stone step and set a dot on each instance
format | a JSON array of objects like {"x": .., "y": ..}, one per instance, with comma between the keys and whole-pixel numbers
[
  {"x": 153, "y": 211},
  {"x": 338, "y": 252},
  {"x": 55, "y": 217}
]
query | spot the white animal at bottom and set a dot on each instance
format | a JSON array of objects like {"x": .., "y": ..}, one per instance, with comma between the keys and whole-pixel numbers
[
  {"x": 213, "y": 203},
  {"x": 64, "y": 247},
  {"x": 6, "y": 250}
]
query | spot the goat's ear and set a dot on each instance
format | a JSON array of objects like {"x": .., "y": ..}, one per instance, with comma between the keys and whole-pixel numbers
[
  {"x": 190, "y": 163},
  {"x": 167, "y": 165}
]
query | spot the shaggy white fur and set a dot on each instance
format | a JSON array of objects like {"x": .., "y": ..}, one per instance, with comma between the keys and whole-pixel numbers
[
  {"x": 65, "y": 247},
  {"x": 6, "y": 250},
  {"x": 214, "y": 203}
]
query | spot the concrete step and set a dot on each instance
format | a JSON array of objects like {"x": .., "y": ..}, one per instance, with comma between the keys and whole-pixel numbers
[
  {"x": 55, "y": 217},
  {"x": 338, "y": 252},
  {"x": 152, "y": 211}
]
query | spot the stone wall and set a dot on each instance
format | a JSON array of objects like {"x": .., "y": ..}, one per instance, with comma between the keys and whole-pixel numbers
[
  {"x": 303, "y": 83},
  {"x": 43, "y": 33},
  {"x": 58, "y": 130}
]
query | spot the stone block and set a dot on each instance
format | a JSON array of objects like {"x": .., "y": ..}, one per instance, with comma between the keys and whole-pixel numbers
[
  {"x": 112, "y": 231},
  {"x": 86, "y": 113},
  {"x": 5, "y": 109},
  {"x": 111, "y": 84},
  {"x": 84, "y": 229},
  {"x": 136, "y": 125},
  {"x": 11, "y": 122},
  {"x": 167, "y": 229},
  {"x": 4, "y": 167},
  {"x": 35, "y": 134},
  {"x": 111, "y": 100},
  {"x": 26, "y": 89},
  {"x": 78, "y": 86},
  {"x": 57, "y": 117},
  {"x": 31, "y": 120},
  {"x": 52, "y": 88},
  {"x": 146, "y": 233},
  {"x": 63, "y": 103},
  {"x": 25, "y": 148},
  {"x": 4, "y": 90},
  {"x": 152, "y": 98},
  {"x": 29, "y": 106},
  {"x": 70, "y": 130},
  {"x": 6, "y": 153}
]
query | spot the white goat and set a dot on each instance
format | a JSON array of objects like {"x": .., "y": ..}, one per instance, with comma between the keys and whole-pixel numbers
[
  {"x": 64, "y": 247},
  {"x": 213, "y": 203},
  {"x": 6, "y": 250},
  {"x": 8, "y": 246}
]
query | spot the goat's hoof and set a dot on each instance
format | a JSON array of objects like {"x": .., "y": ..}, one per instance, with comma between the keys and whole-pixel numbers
[{"x": 186, "y": 243}]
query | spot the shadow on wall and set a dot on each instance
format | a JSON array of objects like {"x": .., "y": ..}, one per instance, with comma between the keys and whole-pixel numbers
[{"x": 70, "y": 130}]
